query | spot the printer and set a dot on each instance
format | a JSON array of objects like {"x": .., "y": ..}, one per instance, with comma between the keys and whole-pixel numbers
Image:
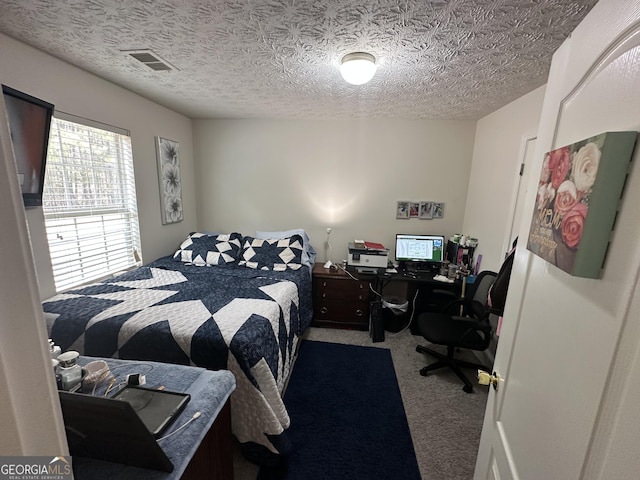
[{"x": 367, "y": 257}]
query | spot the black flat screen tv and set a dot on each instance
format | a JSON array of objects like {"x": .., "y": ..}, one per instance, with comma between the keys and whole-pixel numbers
[{"x": 29, "y": 123}]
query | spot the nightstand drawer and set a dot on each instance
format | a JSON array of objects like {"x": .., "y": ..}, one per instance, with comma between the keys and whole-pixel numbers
[
  {"x": 335, "y": 294},
  {"x": 341, "y": 289},
  {"x": 342, "y": 311}
]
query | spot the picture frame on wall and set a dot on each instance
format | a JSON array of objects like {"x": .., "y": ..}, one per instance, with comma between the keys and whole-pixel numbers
[
  {"x": 425, "y": 211},
  {"x": 414, "y": 209},
  {"x": 437, "y": 211},
  {"x": 402, "y": 209},
  {"x": 169, "y": 181}
]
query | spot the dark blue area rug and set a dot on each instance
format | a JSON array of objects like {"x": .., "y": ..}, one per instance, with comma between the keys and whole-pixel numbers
[{"x": 347, "y": 417}]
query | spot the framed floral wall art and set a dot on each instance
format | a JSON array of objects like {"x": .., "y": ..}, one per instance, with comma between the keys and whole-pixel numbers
[
  {"x": 168, "y": 156},
  {"x": 577, "y": 199}
]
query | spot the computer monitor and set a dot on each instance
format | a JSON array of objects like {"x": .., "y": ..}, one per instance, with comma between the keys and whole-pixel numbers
[{"x": 420, "y": 251}]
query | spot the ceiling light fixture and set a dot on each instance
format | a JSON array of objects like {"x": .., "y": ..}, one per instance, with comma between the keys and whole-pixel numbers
[{"x": 358, "y": 67}]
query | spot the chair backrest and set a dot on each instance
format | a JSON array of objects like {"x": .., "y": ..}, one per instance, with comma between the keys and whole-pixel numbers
[{"x": 480, "y": 295}]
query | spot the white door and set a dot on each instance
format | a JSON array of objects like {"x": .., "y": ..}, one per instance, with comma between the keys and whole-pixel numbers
[{"x": 566, "y": 407}]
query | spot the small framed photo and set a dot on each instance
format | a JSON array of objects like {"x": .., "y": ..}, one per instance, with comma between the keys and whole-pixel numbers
[
  {"x": 425, "y": 211},
  {"x": 438, "y": 210},
  {"x": 414, "y": 208},
  {"x": 402, "y": 210}
]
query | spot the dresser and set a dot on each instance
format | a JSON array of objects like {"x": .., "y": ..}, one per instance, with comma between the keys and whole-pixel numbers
[{"x": 340, "y": 301}]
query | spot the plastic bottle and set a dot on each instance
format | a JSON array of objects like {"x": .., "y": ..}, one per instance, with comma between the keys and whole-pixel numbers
[
  {"x": 54, "y": 364},
  {"x": 70, "y": 371}
]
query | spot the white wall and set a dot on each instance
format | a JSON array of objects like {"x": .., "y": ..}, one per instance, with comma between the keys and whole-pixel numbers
[
  {"x": 272, "y": 175},
  {"x": 497, "y": 154},
  {"x": 31, "y": 423},
  {"x": 77, "y": 92}
]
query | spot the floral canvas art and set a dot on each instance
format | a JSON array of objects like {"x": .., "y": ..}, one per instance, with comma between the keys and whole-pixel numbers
[
  {"x": 168, "y": 156},
  {"x": 577, "y": 198}
]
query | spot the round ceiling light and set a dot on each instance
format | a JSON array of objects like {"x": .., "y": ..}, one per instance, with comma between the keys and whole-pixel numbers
[{"x": 358, "y": 68}]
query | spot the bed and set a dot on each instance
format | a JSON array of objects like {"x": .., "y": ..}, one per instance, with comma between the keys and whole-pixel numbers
[{"x": 219, "y": 302}]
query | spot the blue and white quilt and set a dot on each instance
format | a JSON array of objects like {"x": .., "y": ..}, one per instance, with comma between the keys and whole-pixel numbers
[{"x": 218, "y": 317}]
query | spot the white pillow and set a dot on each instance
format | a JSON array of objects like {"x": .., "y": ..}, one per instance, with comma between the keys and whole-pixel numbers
[{"x": 308, "y": 252}]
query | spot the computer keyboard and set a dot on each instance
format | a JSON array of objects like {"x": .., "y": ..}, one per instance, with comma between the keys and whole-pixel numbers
[{"x": 418, "y": 274}]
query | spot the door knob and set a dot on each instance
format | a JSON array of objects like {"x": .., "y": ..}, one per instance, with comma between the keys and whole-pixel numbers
[{"x": 486, "y": 378}]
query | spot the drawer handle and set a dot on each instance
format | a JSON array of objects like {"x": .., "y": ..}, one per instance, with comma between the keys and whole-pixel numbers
[
  {"x": 324, "y": 310},
  {"x": 359, "y": 297},
  {"x": 361, "y": 287},
  {"x": 359, "y": 313},
  {"x": 324, "y": 284},
  {"x": 324, "y": 295}
]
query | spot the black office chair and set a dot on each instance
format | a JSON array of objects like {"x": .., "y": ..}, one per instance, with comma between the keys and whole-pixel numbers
[{"x": 463, "y": 323}]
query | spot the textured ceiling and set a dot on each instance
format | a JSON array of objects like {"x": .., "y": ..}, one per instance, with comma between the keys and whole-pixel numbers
[{"x": 439, "y": 59}]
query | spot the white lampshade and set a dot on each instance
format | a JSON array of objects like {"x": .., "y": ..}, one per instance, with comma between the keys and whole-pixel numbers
[{"x": 358, "y": 68}]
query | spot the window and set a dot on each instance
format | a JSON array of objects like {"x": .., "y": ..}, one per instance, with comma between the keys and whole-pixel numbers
[{"x": 89, "y": 202}]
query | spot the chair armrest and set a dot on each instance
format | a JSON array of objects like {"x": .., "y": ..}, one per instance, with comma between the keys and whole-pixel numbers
[
  {"x": 479, "y": 323},
  {"x": 453, "y": 307},
  {"x": 470, "y": 308}
]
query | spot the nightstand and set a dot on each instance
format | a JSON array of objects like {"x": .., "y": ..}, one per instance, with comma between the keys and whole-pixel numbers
[
  {"x": 202, "y": 450},
  {"x": 339, "y": 301}
]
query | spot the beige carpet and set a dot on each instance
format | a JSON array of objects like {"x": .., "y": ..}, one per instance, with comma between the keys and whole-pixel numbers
[{"x": 445, "y": 422}]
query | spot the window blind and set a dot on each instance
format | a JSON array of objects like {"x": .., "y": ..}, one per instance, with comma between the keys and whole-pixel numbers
[{"x": 89, "y": 202}]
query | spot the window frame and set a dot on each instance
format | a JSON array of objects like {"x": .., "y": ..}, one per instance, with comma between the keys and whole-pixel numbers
[{"x": 102, "y": 230}]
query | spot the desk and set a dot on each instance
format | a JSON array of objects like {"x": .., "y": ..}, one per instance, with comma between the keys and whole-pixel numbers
[
  {"x": 417, "y": 278},
  {"x": 431, "y": 294},
  {"x": 204, "y": 449}
]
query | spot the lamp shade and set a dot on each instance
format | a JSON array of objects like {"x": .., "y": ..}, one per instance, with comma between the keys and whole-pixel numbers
[{"x": 358, "y": 68}]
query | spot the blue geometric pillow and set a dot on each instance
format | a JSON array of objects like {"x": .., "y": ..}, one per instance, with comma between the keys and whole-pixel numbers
[
  {"x": 308, "y": 252},
  {"x": 201, "y": 249},
  {"x": 277, "y": 254}
]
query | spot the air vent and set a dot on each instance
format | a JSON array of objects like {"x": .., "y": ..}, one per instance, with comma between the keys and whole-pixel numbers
[
  {"x": 150, "y": 59},
  {"x": 157, "y": 65}
]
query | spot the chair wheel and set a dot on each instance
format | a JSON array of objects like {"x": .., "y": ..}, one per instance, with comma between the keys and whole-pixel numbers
[
  {"x": 418, "y": 349},
  {"x": 423, "y": 372},
  {"x": 466, "y": 388}
]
